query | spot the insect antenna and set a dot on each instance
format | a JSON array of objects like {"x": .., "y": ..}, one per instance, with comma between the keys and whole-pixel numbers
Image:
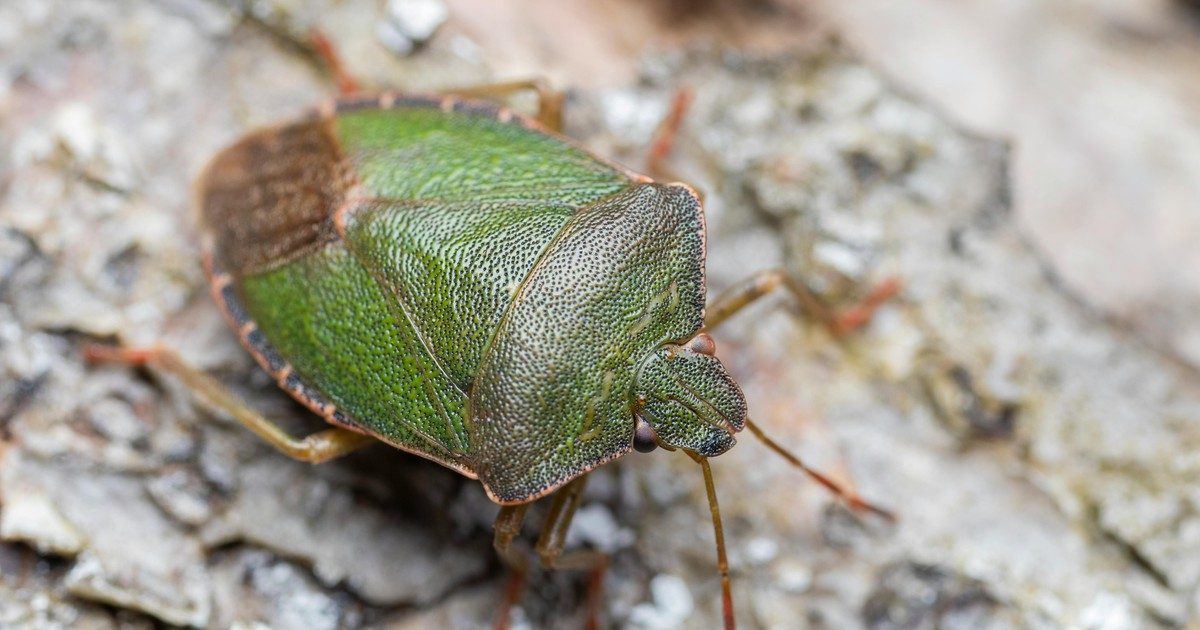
[
  {"x": 850, "y": 496},
  {"x": 719, "y": 534}
]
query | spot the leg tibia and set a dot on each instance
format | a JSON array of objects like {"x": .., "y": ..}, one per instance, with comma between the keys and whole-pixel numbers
[
  {"x": 839, "y": 323},
  {"x": 316, "y": 448}
]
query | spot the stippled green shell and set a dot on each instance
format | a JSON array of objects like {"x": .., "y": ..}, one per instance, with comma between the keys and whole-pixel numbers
[{"x": 446, "y": 276}]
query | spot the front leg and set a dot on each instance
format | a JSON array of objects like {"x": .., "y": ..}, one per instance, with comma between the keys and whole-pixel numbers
[{"x": 549, "y": 550}]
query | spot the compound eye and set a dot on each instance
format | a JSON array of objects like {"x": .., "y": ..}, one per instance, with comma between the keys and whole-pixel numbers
[
  {"x": 702, "y": 344},
  {"x": 645, "y": 439}
]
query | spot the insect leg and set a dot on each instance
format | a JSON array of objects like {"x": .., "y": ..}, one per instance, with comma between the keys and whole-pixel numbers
[
  {"x": 857, "y": 316},
  {"x": 554, "y": 536},
  {"x": 319, "y": 447},
  {"x": 665, "y": 135},
  {"x": 741, "y": 295},
  {"x": 839, "y": 323},
  {"x": 550, "y": 101},
  {"x": 506, "y": 528},
  {"x": 328, "y": 54},
  {"x": 558, "y": 521}
]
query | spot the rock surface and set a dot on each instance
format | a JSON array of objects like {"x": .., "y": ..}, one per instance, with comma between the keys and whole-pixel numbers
[
  {"x": 1101, "y": 101},
  {"x": 1041, "y": 462}
]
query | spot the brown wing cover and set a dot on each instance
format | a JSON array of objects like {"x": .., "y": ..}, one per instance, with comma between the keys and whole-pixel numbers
[{"x": 269, "y": 199}]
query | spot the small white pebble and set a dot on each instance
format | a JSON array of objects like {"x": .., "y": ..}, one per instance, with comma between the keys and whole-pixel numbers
[
  {"x": 594, "y": 524},
  {"x": 755, "y": 110},
  {"x": 418, "y": 20},
  {"x": 631, "y": 115},
  {"x": 408, "y": 23},
  {"x": 840, "y": 257},
  {"x": 793, "y": 576},
  {"x": 761, "y": 550},
  {"x": 466, "y": 49},
  {"x": 1109, "y": 610},
  {"x": 672, "y": 604}
]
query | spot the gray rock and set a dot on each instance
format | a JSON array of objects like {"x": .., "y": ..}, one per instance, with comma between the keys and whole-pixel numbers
[
  {"x": 380, "y": 555},
  {"x": 1040, "y": 461}
]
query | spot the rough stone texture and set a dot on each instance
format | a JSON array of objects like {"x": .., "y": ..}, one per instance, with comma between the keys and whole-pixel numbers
[
  {"x": 1041, "y": 462},
  {"x": 1100, "y": 99}
]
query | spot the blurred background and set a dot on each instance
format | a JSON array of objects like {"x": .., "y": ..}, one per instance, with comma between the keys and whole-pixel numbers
[{"x": 1029, "y": 406}]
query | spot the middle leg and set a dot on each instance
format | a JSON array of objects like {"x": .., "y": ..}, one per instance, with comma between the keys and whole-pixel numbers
[
  {"x": 839, "y": 323},
  {"x": 549, "y": 549},
  {"x": 554, "y": 536},
  {"x": 507, "y": 527}
]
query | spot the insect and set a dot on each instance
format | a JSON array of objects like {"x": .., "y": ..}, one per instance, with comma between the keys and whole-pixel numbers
[{"x": 461, "y": 282}]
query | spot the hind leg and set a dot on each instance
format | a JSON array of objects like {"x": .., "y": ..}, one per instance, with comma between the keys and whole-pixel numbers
[{"x": 319, "y": 447}]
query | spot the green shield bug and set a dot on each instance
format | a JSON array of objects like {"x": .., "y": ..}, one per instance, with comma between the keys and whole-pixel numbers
[{"x": 460, "y": 281}]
